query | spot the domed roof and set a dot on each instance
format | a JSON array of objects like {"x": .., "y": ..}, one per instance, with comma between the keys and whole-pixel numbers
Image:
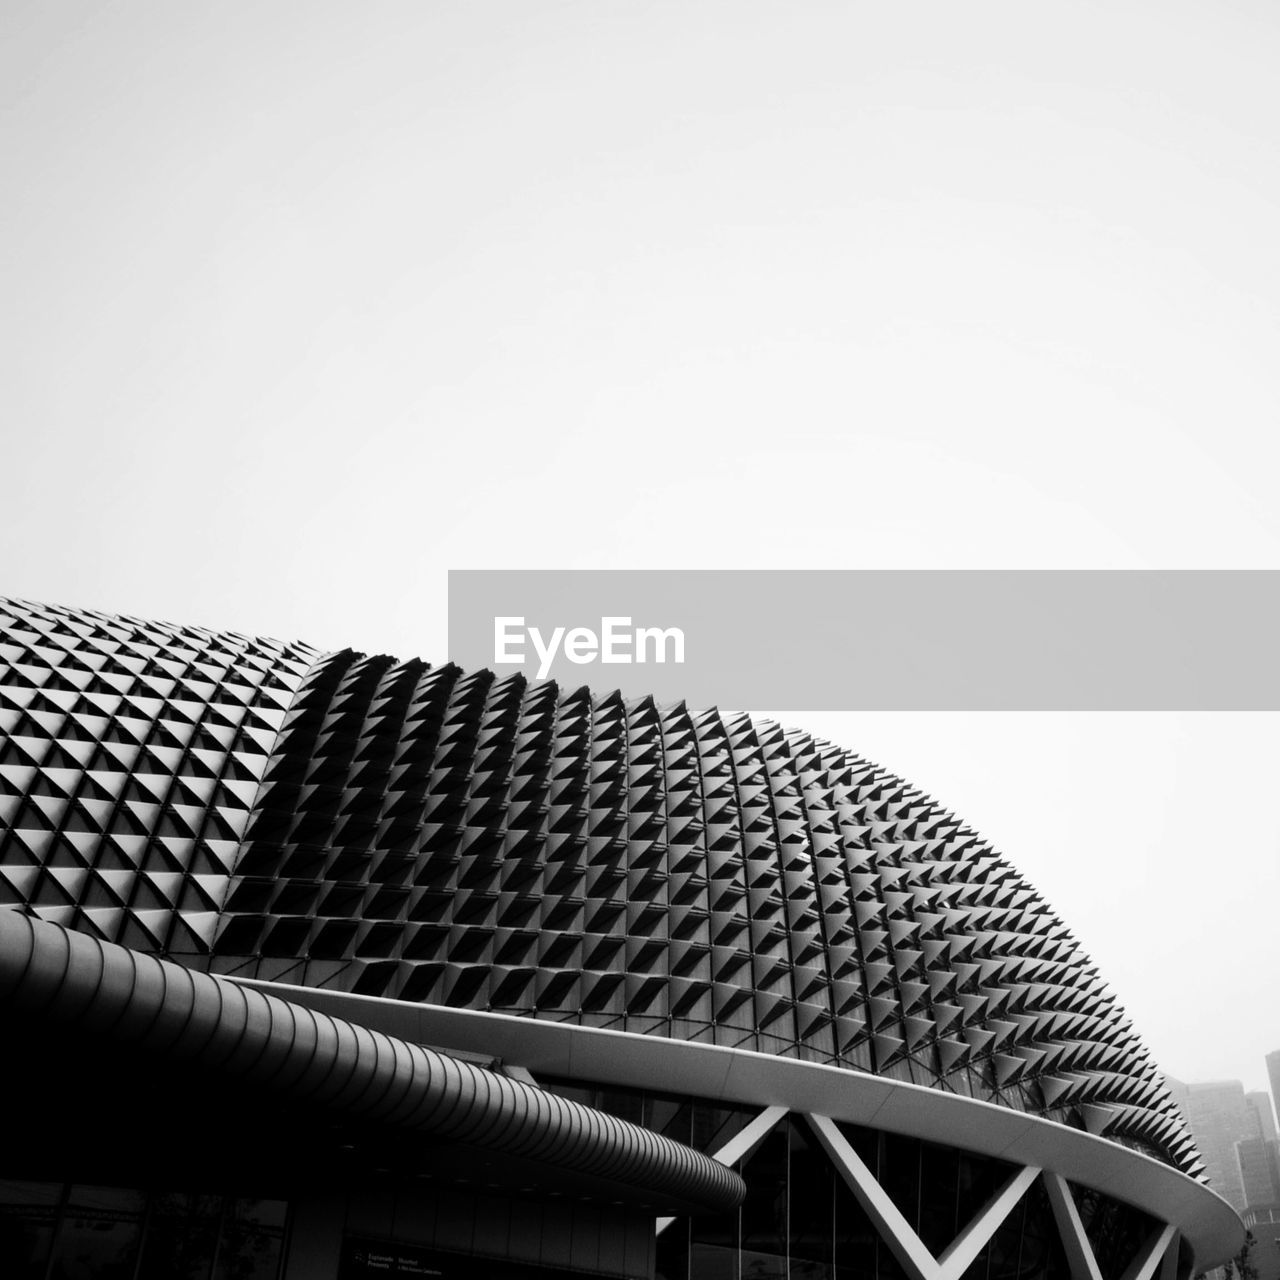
[{"x": 425, "y": 834}]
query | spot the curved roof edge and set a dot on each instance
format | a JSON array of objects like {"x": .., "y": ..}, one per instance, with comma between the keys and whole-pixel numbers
[
  {"x": 1208, "y": 1223},
  {"x": 282, "y": 1045}
]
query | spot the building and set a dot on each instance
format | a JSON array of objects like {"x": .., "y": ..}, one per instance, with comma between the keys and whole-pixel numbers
[
  {"x": 1260, "y": 1170},
  {"x": 1221, "y": 1118},
  {"x": 1273, "y": 1072},
  {"x": 1236, "y": 1134},
  {"x": 1260, "y": 1102},
  {"x": 333, "y": 966},
  {"x": 1263, "y": 1219},
  {"x": 1259, "y": 1158}
]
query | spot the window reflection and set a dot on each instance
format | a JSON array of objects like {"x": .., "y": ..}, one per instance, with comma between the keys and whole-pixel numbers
[
  {"x": 181, "y": 1237},
  {"x": 98, "y": 1236},
  {"x": 251, "y": 1240},
  {"x": 50, "y": 1231},
  {"x": 28, "y": 1217}
]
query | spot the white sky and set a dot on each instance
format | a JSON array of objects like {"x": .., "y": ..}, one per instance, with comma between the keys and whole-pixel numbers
[{"x": 304, "y": 304}]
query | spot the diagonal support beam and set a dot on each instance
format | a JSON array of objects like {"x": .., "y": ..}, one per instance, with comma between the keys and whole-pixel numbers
[
  {"x": 750, "y": 1136},
  {"x": 972, "y": 1240},
  {"x": 894, "y": 1229},
  {"x": 1169, "y": 1263},
  {"x": 741, "y": 1145},
  {"x": 1154, "y": 1251},
  {"x": 1158, "y": 1253},
  {"x": 1084, "y": 1266}
]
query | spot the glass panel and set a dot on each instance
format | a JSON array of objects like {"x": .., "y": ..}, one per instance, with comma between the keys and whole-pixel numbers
[
  {"x": 626, "y": 1104},
  {"x": 939, "y": 1197},
  {"x": 954, "y": 1187},
  {"x": 999, "y": 1260},
  {"x": 266, "y": 1213},
  {"x": 854, "y": 1244},
  {"x": 811, "y": 1205},
  {"x": 28, "y": 1213},
  {"x": 978, "y": 1180},
  {"x": 246, "y": 1253},
  {"x": 671, "y": 1254},
  {"x": 702, "y": 1125},
  {"x": 1116, "y": 1231},
  {"x": 182, "y": 1233},
  {"x": 107, "y": 1201},
  {"x": 1040, "y": 1255},
  {"x": 717, "y": 1229},
  {"x": 866, "y": 1142},
  {"x": 713, "y": 1262},
  {"x": 714, "y": 1126},
  {"x": 99, "y": 1236},
  {"x": 900, "y": 1175},
  {"x": 570, "y": 1089},
  {"x": 30, "y": 1193},
  {"x": 860, "y": 1254},
  {"x": 764, "y": 1211},
  {"x": 672, "y": 1117},
  {"x": 762, "y": 1266}
]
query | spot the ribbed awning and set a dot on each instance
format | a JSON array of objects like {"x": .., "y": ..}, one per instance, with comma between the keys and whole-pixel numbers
[{"x": 159, "y": 1007}]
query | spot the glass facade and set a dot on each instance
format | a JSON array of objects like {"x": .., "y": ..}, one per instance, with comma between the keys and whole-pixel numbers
[
  {"x": 1116, "y": 1231},
  {"x": 67, "y": 1231},
  {"x": 705, "y": 1126},
  {"x": 800, "y": 1221}
]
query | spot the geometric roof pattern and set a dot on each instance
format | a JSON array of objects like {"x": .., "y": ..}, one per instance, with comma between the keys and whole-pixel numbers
[
  {"x": 130, "y": 754},
  {"x": 425, "y": 834}
]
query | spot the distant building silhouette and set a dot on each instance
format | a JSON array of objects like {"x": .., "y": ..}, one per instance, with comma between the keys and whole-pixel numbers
[
  {"x": 1259, "y": 1162},
  {"x": 1236, "y": 1133},
  {"x": 1260, "y": 1100},
  {"x": 1264, "y": 1220},
  {"x": 1219, "y": 1118}
]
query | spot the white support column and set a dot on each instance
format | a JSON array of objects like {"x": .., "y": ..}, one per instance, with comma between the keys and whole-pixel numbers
[
  {"x": 750, "y": 1136},
  {"x": 1169, "y": 1263},
  {"x": 1084, "y": 1266},
  {"x": 1153, "y": 1252},
  {"x": 894, "y": 1229},
  {"x": 970, "y": 1242},
  {"x": 742, "y": 1144}
]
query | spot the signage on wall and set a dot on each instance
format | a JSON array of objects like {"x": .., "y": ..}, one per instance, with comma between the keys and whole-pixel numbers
[{"x": 364, "y": 1258}]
